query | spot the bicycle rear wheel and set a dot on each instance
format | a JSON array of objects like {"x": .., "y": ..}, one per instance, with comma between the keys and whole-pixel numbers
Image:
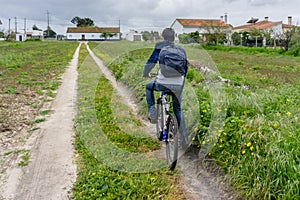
[{"x": 172, "y": 141}]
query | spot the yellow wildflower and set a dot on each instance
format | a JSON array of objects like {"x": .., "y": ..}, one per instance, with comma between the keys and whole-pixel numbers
[
  {"x": 288, "y": 114},
  {"x": 243, "y": 152},
  {"x": 249, "y": 144},
  {"x": 278, "y": 114},
  {"x": 251, "y": 148}
]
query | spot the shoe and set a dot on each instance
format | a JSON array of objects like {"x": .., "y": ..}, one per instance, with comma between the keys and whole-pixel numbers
[
  {"x": 152, "y": 115},
  {"x": 160, "y": 136}
]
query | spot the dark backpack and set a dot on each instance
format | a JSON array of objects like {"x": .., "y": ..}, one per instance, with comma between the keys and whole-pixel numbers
[{"x": 172, "y": 61}]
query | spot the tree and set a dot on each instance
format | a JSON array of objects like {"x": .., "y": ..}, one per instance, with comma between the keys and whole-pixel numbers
[
  {"x": 2, "y": 35},
  {"x": 236, "y": 39},
  {"x": 286, "y": 37},
  {"x": 255, "y": 37},
  {"x": 49, "y": 33},
  {"x": 152, "y": 36},
  {"x": 82, "y": 22},
  {"x": 34, "y": 27},
  {"x": 216, "y": 34},
  {"x": 108, "y": 35},
  {"x": 193, "y": 37}
]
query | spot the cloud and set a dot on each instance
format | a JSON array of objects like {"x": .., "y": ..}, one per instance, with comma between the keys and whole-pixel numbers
[
  {"x": 140, "y": 14},
  {"x": 263, "y": 2}
]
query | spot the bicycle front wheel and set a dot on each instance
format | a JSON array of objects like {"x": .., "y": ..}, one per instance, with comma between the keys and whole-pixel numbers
[
  {"x": 172, "y": 141},
  {"x": 159, "y": 117}
]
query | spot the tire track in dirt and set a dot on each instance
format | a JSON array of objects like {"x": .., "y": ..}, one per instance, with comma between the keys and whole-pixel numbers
[{"x": 51, "y": 171}]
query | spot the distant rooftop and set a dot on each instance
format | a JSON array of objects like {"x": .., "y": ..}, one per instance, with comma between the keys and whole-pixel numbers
[
  {"x": 93, "y": 30},
  {"x": 202, "y": 22}
]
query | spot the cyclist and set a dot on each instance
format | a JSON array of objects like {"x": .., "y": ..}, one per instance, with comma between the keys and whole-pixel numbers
[{"x": 174, "y": 85}]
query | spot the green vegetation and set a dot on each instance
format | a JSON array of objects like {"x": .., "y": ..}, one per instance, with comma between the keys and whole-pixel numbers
[
  {"x": 258, "y": 147},
  {"x": 33, "y": 66},
  {"x": 294, "y": 50},
  {"x": 24, "y": 155}
]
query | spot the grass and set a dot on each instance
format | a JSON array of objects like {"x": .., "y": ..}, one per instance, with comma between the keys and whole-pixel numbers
[
  {"x": 24, "y": 156},
  {"x": 113, "y": 161},
  {"x": 33, "y": 65},
  {"x": 258, "y": 145}
]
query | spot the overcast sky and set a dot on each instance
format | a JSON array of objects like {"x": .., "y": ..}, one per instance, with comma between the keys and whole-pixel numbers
[{"x": 140, "y": 14}]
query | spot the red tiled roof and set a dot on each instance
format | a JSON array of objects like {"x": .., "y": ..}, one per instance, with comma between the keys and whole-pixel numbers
[
  {"x": 287, "y": 26},
  {"x": 202, "y": 22},
  {"x": 259, "y": 25},
  {"x": 93, "y": 30}
]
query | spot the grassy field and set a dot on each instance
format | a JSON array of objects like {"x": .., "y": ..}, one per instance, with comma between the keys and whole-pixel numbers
[
  {"x": 258, "y": 146},
  {"x": 29, "y": 76}
]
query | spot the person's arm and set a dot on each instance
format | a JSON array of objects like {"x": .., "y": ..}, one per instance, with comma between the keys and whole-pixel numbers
[{"x": 151, "y": 62}]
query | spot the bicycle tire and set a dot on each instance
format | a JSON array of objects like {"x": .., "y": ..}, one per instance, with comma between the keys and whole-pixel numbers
[
  {"x": 159, "y": 122},
  {"x": 172, "y": 141}
]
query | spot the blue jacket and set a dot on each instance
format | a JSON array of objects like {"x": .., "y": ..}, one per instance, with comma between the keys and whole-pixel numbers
[{"x": 154, "y": 56}]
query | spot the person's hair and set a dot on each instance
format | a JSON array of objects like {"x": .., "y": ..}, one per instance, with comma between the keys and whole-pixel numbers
[{"x": 168, "y": 34}]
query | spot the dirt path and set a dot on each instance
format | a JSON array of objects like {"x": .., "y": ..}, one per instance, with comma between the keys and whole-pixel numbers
[{"x": 51, "y": 172}]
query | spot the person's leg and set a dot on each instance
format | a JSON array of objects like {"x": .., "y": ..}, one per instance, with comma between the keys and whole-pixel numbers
[
  {"x": 150, "y": 94},
  {"x": 151, "y": 101}
]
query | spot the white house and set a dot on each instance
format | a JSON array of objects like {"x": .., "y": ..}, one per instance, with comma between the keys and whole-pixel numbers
[
  {"x": 93, "y": 33},
  {"x": 203, "y": 26},
  {"x": 30, "y": 34},
  {"x": 133, "y": 35},
  {"x": 275, "y": 29}
]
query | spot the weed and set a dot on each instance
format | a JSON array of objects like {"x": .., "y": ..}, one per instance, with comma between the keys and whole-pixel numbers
[
  {"x": 10, "y": 90},
  {"x": 45, "y": 112},
  {"x": 24, "y": 159},
  {"x": 37, "y": 121}
]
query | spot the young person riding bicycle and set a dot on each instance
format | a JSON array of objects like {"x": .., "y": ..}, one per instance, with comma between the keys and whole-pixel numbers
[{"x": 169, "y": 79}]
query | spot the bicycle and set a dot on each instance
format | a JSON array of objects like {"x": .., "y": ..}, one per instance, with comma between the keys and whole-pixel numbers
[{"x": 167, "y": 128}]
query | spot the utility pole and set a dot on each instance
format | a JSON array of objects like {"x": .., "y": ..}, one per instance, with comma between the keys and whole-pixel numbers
[
  {"x": 25, "y": 27},
  {"x": 119, "y": 29},
  {"x": 16, "y": 25},
  {"x": 48, "y": 27},
  {"x": 9, "y": 26}
]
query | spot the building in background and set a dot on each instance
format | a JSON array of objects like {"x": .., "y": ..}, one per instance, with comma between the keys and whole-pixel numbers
[
  {"x": 204, "y": 27},
  {"x": 258, "y": 32},
  {"x": 133, "y": 35},
  {"x": 34, "y": 34},
  {"x": 93, "y": 33}
]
